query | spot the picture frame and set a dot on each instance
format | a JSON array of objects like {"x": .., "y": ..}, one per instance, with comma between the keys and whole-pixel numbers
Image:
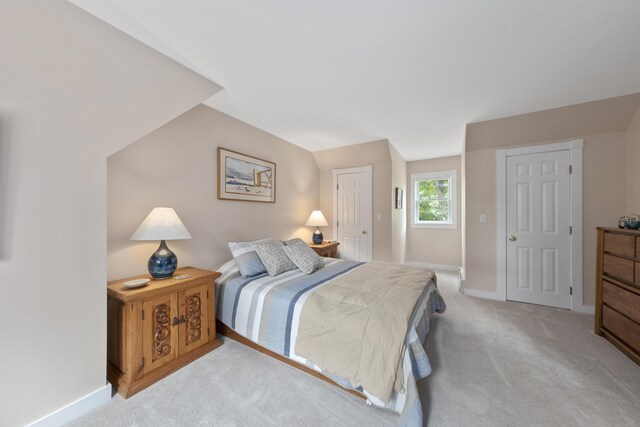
[
  {"x": 399, "y": 197},
  {"x": 242, "y": 177}
]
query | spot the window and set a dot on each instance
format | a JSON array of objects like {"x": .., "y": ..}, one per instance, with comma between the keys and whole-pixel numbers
[{"x": 434, "y": 199}]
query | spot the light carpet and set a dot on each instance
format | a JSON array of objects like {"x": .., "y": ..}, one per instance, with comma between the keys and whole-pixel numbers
[{"x": 494, "y": 364}]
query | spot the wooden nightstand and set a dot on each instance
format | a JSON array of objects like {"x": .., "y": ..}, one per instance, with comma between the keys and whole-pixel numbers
[
  {"x": 156, "y": 329},
  {"x": 326, "y": 249}
]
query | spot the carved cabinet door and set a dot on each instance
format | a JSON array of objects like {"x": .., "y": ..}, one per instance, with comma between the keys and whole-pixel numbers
[
  {"x": 160, "y": 337},
  {"x": 194, "y": 328}
]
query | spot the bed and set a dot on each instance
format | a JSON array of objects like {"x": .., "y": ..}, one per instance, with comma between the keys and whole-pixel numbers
[{"x": 264, "y": 313}]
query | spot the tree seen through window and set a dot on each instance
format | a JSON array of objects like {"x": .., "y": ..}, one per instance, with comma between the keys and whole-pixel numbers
[{"x": 433, "y": 198}]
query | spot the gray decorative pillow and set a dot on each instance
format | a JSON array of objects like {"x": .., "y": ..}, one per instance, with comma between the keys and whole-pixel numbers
[
  {"x": 303, "y": 256},
  {"x": 295, "y": 241},
  {"x": 273, "y": 257},
  {"x": 247, "y": 259}
]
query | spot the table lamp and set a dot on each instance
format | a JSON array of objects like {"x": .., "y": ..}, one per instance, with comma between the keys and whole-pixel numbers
[
  {"x": 162, "y": 224},
  {"x": 317, "y": 220}
]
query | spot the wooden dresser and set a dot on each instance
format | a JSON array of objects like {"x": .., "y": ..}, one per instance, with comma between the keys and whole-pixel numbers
[
  {"x": 618, "y": 289},
  {"x": 154, "y": 330}
]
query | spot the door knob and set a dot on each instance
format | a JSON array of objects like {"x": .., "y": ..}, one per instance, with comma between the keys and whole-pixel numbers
[
  {"x": 512, "y": 238},
  {"x": 364, "y": 231}
]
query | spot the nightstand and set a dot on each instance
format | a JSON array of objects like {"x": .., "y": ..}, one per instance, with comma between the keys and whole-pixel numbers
[
  {"x": 326, "y": 249},
  {"x": 156, "y": 329}
]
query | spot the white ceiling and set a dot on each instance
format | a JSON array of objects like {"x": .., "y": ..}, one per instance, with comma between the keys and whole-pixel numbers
[{"x": 323, "y": 74}]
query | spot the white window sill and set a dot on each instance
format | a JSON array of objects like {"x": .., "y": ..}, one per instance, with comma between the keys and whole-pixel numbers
[{"x": 441, "y": 226}]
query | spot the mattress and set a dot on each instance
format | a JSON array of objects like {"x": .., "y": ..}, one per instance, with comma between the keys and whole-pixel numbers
[{"x": 266, "y": 310}]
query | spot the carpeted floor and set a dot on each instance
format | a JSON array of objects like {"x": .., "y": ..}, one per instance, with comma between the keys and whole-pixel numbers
[
  {"x": 511, "y": 364},
  {"x": 494, "y": 364}
]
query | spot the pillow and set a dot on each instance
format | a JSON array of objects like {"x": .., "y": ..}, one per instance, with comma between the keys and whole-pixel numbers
[
  {"x": 304, "y": 257},
  {"x": 273, "y": 257},
  {"x": 226, "y": 270},
  {"x": 247, "y": 259},
  {"x": 295, "y": 241}
]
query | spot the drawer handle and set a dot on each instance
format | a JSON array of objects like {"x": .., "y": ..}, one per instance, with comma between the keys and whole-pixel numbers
[{"x": 177, "y": 321}]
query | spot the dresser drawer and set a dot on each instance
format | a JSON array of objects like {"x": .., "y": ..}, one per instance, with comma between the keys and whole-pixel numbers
[
  {"x": 622, "y": 300},
  {"x": 623, "y": 328},
  {"x": 620, "y": 244},
  {"x": 619, "y": 268}
]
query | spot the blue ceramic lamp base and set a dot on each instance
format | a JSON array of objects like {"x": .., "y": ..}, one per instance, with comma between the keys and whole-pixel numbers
[
  {"x": 163, "y": 262},
  {"x": 317, "y": 237}
]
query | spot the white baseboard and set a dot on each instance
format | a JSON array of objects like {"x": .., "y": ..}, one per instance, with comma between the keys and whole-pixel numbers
[
  {"x": 434, "y": 266},
  {"x": 75, "y": 409},
  {"x": 482, "y": 294},
  {"x": 587, "y": 309}
]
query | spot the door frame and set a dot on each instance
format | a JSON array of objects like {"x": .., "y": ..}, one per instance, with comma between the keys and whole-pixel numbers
[
  {"x": 575, "y": 183},
  {"x": 368, "y": 169}
]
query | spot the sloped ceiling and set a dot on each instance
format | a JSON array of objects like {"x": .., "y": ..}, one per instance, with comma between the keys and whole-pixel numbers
[{"x": 328, "y": 74}]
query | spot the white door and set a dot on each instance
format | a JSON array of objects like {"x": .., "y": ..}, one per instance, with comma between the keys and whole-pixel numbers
[
  {"x": 354, "y": 213},
  {"x": 538, "y": 228}
]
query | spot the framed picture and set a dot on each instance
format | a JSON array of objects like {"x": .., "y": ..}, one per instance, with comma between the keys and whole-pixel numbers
[
  {"x": 244, "y": 177},
  {"x": 399, "y": 195}
]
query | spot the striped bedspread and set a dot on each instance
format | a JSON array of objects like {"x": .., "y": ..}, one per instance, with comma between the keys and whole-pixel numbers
[{"x": 266, "y": 310}]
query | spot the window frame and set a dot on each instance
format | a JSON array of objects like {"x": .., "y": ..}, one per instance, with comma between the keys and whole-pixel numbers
[{"x": 449, "y": 175}]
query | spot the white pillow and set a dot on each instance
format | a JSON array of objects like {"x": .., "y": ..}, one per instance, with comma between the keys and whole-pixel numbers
[
  {"x": 273, "y": 257},
  {"x": 227, "y": 270}
]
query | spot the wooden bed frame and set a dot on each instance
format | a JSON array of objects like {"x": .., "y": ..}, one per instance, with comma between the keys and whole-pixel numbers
[{"x": 228, "y": 332}]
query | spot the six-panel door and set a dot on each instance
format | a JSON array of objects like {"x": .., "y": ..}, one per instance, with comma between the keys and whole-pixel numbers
[
  {"x": 354, "y": 216},
  {"x": 538, "y": 234}
]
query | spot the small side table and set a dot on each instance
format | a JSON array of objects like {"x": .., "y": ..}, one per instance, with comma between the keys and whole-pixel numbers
[
  {"x": 326, "y": 249},
  {"x": 156, "y": 329}
]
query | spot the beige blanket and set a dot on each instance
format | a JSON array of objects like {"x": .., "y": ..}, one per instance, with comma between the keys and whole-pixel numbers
[{"x": 355, "y": 325}]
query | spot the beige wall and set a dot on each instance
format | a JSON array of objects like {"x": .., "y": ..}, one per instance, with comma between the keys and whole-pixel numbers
[
  {"x": 72, "y": 90},
  {"x": 176, "y": 166},
  {"x": 432, "y": 245},
  {"x": 480, "y": 241},
  {"x": 603, "y": 197},
  {"x": 398, "y": 216},
  {"x": 370, "y": 153},
  {"x": 463, "y": 207},
  {"x": 633, "y": 165},
  {"x": 604, "y": 177},
  {"x": 590, "y": 118}
]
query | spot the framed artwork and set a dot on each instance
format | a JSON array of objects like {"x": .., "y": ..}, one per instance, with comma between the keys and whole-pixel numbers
[
  {"x": 399, "y": 196},
  {"x": 244, "y": 177}
]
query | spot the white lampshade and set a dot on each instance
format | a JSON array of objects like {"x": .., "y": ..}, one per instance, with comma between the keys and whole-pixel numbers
[
  {"x": 161, "y": 224},
  {"x": 316, "y": 220}
]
